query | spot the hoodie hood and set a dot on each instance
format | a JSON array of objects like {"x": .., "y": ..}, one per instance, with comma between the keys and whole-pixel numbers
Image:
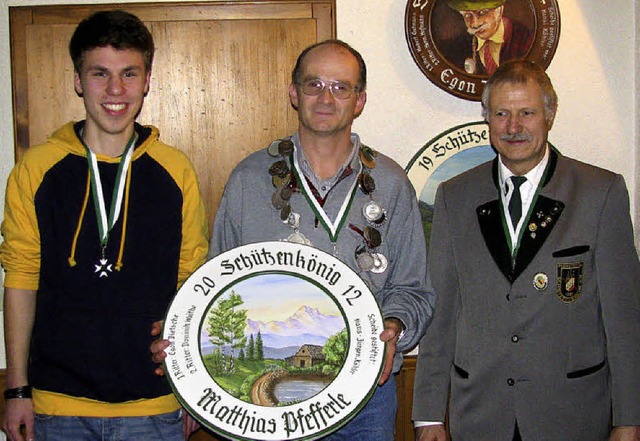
[{"x": 67, "y": 137}]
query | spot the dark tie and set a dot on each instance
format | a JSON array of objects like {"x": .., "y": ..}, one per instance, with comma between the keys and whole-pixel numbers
[{"x": 515, "y": 203}]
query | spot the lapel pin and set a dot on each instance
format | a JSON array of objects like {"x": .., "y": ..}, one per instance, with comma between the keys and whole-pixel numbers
[{"x": 540, "y": 281}]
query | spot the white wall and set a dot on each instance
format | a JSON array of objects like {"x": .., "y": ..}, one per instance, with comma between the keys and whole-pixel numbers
[
  {"x": 636, "y": 117},
  {"x": 595, "y": 71}
]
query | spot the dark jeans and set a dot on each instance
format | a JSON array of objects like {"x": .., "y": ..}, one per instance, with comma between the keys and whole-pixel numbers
[
  {"x": 377, "y": 419},
  {"x": 165, "y": 427}
]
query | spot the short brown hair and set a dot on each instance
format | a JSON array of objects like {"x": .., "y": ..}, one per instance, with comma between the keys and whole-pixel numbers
[{"x": 118, "y": 29}]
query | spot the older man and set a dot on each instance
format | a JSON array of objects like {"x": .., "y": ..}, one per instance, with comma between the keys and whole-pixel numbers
[
  {"x": 491, "y": 37},
  {"x": 536, "y": 330}
]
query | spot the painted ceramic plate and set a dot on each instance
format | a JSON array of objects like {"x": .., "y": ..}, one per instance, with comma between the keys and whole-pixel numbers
[{"x": 273, "y": 341}]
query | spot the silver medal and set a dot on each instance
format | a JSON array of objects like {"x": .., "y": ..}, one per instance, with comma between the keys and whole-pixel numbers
[
  {"x": 293, "y": 220},
  {"x": 372, "y": 211},
  {"x": 298, "y": 237},
  {"x": 273, "y": 148},
  {"x": 365, "y": 261},
  {"x": 380, "y": 263},
  {"x": 285, "y": 213}
]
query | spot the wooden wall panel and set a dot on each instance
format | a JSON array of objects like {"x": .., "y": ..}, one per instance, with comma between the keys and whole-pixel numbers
[
  {"x": 212, "y": 10},
  {"x": 227, "y": 96},
  {"x": 52, "y": 100}
]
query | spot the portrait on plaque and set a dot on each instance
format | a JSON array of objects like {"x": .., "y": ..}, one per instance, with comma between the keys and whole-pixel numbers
[
  {"x": 274, "y": 341},
  {"x": 458, "y": 44},
  {"x": 478, "y": 36}
]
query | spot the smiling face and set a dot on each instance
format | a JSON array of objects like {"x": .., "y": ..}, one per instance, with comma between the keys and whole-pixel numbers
[
  {"x": 518, "y": 124},
  {"x": 324, "y": 115},
  {"x": 112, "y": 84},
  {"x": 483, "y": 23}
]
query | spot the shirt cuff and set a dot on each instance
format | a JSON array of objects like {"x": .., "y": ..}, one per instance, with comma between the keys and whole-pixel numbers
[
  {"x": 403, "y": 330},
  {"x": 417, "y": 424}
]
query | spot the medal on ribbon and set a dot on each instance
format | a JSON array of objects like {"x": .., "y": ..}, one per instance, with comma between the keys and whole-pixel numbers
[{"x": 105, "y": 220}]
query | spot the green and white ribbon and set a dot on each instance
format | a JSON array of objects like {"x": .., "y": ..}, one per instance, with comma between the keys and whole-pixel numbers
[
  {"x": 332, "y": 228},
  {"x": 105, "y": 224}
]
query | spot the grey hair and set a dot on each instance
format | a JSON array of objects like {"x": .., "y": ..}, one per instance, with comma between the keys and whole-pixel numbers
[{"x": 522, "y": 72}]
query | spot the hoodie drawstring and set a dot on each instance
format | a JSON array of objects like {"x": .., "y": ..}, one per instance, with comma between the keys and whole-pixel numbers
[
  {"x": 72, "y": 260},
  {"x": 85, "y": 203},
  {"x": 125, "y": 216}
]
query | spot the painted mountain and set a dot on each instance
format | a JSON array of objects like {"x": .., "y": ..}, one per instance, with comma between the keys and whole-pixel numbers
[
  {"x": 282, "y": 339},
  {"x": 306, "y": 323}
]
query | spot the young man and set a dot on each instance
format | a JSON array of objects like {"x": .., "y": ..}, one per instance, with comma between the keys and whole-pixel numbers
[
  {"x": 378, "y": 234},
  {"x": 536, "y": 330},
  {"x": 102, "y": 223}
]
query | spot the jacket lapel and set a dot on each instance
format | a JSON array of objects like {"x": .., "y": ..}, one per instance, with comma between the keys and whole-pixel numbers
[
  {"x": 542, "y": 220},
  {"x": 490, "y": 220}
]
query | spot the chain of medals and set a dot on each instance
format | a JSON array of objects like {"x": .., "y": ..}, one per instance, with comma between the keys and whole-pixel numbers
[
  {"x": 107, "y": 221},
  {"x": 285, "y": 180}
]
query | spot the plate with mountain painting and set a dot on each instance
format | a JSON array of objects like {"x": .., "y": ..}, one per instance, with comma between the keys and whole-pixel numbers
[{"x": 273, "y": 341}]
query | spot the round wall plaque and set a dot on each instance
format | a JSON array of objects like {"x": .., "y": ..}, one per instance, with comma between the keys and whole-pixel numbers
[
  {"x": 448, "y": 154},
  {"x": 457, "y": 44},
  {"x": 274, "y": 341}
]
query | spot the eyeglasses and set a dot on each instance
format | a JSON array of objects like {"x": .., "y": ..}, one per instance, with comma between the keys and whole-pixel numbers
[{"x": 339, "y": 89}]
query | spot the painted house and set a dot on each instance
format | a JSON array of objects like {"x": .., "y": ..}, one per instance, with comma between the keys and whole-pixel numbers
[{"x": 307, "y": 356}]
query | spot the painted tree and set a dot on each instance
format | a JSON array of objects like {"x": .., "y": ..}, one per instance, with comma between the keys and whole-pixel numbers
[
  {"x": 335, "y": 351},
  {"x": 259, "y": 353},
  {"x": 217, "y": 322},
  {"x": 215, "y": 363},
  {"x": 251, "y": 346},
  {"x": 237, "y": 322},
  {"x": 225, "y": 325}
]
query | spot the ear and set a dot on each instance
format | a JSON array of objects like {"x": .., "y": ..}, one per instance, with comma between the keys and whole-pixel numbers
[
  {"x": 293, "y": 95},
  {"x": 550, "y": 120},
  {"x": 147, "y": 82},
  {"x": 77, "y": 83},
  {"x": 360, "y": 102}
]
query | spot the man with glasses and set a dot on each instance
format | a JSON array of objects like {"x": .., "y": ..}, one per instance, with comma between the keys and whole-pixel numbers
[{"x": 323, "y": 187}]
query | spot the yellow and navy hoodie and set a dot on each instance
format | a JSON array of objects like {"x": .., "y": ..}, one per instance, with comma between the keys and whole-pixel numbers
[{"x": 89, "y": 353}]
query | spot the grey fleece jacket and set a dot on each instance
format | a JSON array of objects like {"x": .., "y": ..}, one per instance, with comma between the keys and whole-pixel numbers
[{"x": 246, "y": 215}]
